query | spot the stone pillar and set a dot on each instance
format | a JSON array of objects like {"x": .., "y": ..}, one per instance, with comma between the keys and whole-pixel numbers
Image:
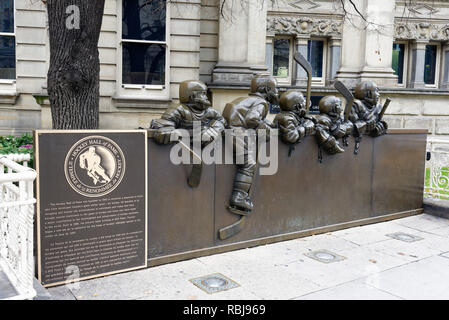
[
  {"x": 301, "y": 45},
  {"x": 269, "y": 49},
  {"x": 378, "y": 53},
  {"x": 445, "y": 84},
  {"x": 334, "y": 59},
  {"x": 367, "y": 48},
  {"x": 352, "y": 47},
  {"x": 417, "y": 64},
  {"x": 242, "y": 42}
]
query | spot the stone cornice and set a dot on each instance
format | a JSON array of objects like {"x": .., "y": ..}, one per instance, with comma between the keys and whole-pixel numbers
[
  {"x": 304, "y": 26},
  {"x": 425, "y": 31}
]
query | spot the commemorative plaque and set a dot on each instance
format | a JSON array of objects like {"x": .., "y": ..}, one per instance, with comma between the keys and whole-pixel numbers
[{"x": 91, "y": 203}]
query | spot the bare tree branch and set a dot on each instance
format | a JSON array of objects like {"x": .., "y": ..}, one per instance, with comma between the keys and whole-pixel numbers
[{"x": 357, "y": 10}]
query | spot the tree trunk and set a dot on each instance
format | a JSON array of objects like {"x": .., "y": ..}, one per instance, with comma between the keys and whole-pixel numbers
[{"x": 73, "y": 76}]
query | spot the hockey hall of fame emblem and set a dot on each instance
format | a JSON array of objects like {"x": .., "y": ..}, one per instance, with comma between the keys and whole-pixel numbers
[{"x": 94, "y": 166}]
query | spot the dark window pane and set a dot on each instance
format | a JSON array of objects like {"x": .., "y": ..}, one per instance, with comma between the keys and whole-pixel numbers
[
  {"x": 143, "y": 20},
  {"x": 6, "y": 15},
  {"x": 7, "y": 57},
  {"x": 398, "y": 61},
  {"x": 315, "y": 57},
  {"x": 430, "y": 64},
  {"x": 315, "y": 101},
  {"x": 281, "y": 56},
  {"x": 143, "y": 63}
]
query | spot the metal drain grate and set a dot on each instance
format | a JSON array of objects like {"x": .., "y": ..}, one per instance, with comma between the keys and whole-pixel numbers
[
  {"x": 404, "y": 237},
  {"x": 214, "y": 283},
  {"x": 324, "y": 256}
]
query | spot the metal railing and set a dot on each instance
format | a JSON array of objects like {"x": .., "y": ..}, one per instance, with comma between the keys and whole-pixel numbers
[
  {"x": 436, "y": 184},
  {"x": 16, "y": 223}
]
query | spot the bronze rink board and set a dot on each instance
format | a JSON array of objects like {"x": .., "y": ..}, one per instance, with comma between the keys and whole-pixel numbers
[
  {"x": 180, "y": 218},
  {"x": 384, "y": 181}
]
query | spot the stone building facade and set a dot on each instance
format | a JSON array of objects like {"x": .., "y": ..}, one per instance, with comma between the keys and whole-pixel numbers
[{"x": 401, "y": 45}]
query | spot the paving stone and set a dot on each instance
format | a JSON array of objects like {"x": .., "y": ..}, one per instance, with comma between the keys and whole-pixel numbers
[
  {"x": 424, "y": 279},
  {"x": 281, "y": 271},
  {"x": 371, "y": 233},
  {"x": 280, "y": 282},
  {"x": 423, "y": 222},
  {"x": 183, "y": 292},
  {"x": 402, "y": 236},
  {"x": 264, "y": 276},
  {"x": 173, "y": 282},
  {"x": 444, "y": 232},
  {"x": 359, "y": 263},
  {"x": 326, "y": 241},
  {"x": 136, "y": 284},
  {"x": 407, "y": 251},
  {"x": 354, "y": 290},
  {"x": 61, "y": 293},
  {"x": 287, "y": 251}
]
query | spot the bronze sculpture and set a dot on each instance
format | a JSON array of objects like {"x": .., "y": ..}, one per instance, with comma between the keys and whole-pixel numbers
[
  {"x": 245, "y": 114},
  {"x": 305, "y": 64},
  {"x": 242, "y": 114},
  {"x": 293, "y": 123},
  {"x": 331, "y": 126},
  {"x": 195, "y": 106},
  {"x": 367, "y": 112}
]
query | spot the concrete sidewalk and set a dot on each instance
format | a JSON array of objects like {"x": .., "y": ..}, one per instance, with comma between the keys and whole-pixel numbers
[{"x": 401, "y": 259}]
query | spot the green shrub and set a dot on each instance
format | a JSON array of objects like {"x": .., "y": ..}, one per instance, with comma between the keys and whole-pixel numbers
[{"x": 21, "y": 144}]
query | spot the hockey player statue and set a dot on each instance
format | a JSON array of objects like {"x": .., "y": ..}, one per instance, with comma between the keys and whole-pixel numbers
[
  {"x": 241, "y": 115},
  {"x": 331, "y": 126},
  {"x": 195, "y": 106},
  {"x": 367, "y": 112},
  {"x": 293, "y": 123}
]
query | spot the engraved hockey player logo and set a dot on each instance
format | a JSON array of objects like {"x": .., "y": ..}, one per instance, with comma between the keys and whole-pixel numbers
[
  {"x": 91, "y": 161},
  {"x": 94, "y": 166}
]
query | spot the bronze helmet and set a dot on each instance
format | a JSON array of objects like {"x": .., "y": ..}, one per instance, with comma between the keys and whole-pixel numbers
[
  {"x": 186, "y": 88},
  {"x": 328, "y": 103},
  {"x": 292, "y": 100},
  {"x": 367, "y": 90},
  {"x": 262, "y": 81}
]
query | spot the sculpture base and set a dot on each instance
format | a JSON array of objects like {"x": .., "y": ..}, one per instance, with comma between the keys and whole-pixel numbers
[{"x": 385, "y": 181}]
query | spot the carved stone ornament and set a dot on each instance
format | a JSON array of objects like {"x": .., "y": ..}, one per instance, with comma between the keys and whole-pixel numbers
[
  {"x": 300, "y": 4},
  {"x": 304, "y": 26},
  {"x": 421, "y": 31},
  {"x": 423, "y": 9}
]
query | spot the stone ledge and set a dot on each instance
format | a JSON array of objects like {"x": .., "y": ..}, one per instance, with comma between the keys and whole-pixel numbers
[
  {"x": 140, "y": 103},
  {"x": 435, "y": 207},
  {"x": 9, "y": 98},
  {"x": 330, "y": 89}
]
